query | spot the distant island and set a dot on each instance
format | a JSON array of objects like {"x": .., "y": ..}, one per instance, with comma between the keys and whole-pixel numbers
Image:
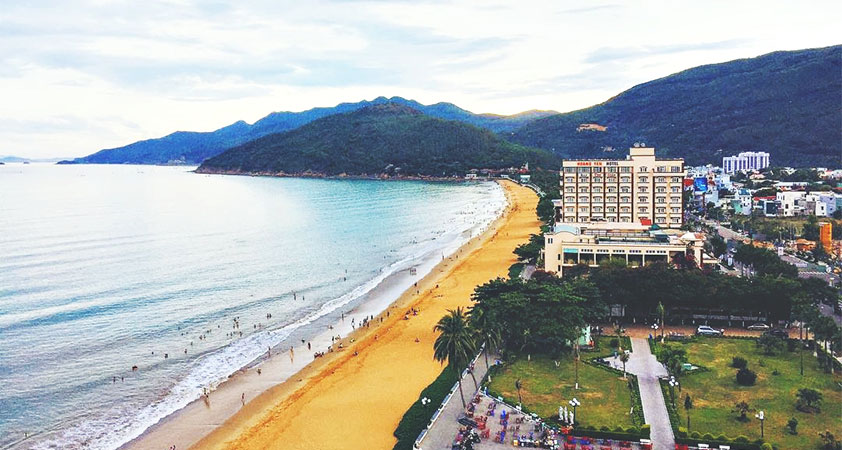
[{"x": 385, "y": 140}]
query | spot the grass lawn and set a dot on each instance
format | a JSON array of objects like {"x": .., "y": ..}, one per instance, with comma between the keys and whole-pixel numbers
[
  {"x": 715, "y": 392},
  {"x": 605, "y": 396}
]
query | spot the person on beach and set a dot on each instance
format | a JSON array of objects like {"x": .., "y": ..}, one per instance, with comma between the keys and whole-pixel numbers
[
  {"x": 308, "y": 346},
  {"x": 243, "y": 398}
]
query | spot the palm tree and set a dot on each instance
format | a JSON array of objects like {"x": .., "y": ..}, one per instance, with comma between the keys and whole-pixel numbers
[
  {"x": 624, "y": 358},
  {"x": 660, "y": 311},
  {"x": 688, "y": 405},
  {"x": 485, "y": 333},
  {"x": 455, "y": 344}
]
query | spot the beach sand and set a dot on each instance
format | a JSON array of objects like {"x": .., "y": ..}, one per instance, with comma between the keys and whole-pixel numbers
[{"x": 344, "y": 401}]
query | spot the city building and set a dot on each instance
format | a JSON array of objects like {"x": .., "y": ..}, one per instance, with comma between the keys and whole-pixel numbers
[
  {"x": 633, "y": 244},
  {"x": 826, "y": 235},
  {"x": 745, "y": 161},
  {"x": 639, "y": 189},
  {"x": 792, "y": 203}
]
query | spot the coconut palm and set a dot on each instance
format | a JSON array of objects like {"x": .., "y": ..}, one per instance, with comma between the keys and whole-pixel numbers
[
  {"x": 660, "y": 311},
  {"x": 455, "y": 344},
  {"x": 486, "y": 334},
  {"x": 624, "y": 358},
  {"x": 518, "y": 386}
]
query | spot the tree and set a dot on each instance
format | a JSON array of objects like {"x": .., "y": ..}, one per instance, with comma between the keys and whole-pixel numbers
[
  {"x": 486, "y": 334},
  {"x": 808, "y": 400},
  {"x": 742, "y": 407},
  {"x": 455, "y": 343},
  {"x": 746, "y": 377},
  {"x": 829, "y": 441},
  {"x": 819, "y": 252},
  {"x": 688, "y": 405},
  {"x": 792, "y": 424},
  {"x": 660, "y": 310},
  {"x": 624, "y": 358},
  {"x": 770, "y": 344},
  {"x": 673, "y": 359},
  {"x": 718, "y": 245},
  {"x": 530, "y": 251},
  {"x": 518, "y": 386},
  {"x": 825, "y": 330}
]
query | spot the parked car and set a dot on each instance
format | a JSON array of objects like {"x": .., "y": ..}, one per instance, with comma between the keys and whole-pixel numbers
[
  {"x": 777, "y": 332},
  {"x": 705, "y": 330},
  {"x": 758, "y": 327}
]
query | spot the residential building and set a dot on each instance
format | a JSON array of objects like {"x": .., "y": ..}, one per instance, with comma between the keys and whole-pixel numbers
[
  {"x": 634, "y": 244},
  {"x": 792, "y": 203},
  {"x": 638, "y": 189},
  {"x": 745, "y": 161},
  {"x": 826, "y": 235}
]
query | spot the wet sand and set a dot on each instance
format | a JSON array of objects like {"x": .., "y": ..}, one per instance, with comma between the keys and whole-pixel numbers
[
  {"x": 342, "y": 400},
  {"x": 356, "y": 402}
]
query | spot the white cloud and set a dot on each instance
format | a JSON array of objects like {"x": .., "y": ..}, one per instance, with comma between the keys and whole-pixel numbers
[{"x": 75, "y": 78}]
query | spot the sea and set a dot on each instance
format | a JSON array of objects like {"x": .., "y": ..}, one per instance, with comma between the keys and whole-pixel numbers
[{"x": 106, "y": 268}]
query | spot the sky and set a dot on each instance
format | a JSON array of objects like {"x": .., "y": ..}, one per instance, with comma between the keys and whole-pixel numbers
[{"x": 80, "y": 76}]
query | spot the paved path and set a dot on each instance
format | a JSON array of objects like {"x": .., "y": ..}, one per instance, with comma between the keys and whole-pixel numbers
[
  {"x": 440, "y": 436},
  {"x": 648, "y": 370}
]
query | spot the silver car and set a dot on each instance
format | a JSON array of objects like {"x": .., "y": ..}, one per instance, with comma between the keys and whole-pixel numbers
[{"x": 705, "y": 330}]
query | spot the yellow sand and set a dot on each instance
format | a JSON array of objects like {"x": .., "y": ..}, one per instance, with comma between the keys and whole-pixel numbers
[{"x": 355, "y": 402}]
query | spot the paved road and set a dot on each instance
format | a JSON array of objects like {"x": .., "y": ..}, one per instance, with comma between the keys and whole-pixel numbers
[
  {"x": 648, "y": 370},
  {"x": 440, "y": 436}
]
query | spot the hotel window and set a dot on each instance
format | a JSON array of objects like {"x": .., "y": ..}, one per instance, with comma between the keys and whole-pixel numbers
[
  {"x": 569, "y": 180},
  {"x": 625, "y": 199},
  {"x": 597, "y": 169},
  {"x": 570, "y": 209},
  {"x": 625, "y": 219},
  {"x": 660, "y": 189},
  {"x": 661, "y": 220},
  {"x": 569, "y": 189},
  {"x": 643, "y": 199},
  {"x": 642, "y": 209},
  {"x": 643, "y": 169},
  {"x": 570, "y": 170},
  {"x": 625, "y": 169},
  {"x": 550, "y": 240},
  {"x": 583, "y": 209},
  {"x": 597, "y": 209},
  {"x": 570, "y": 199},
  {"x": 583, "y": 179},
  {"x": 583, "y": 189},
  {"x": 642, "y": 189},
  {"x": 597, "y": 189},
  {"x": 597, "y": 180},
  {"x": 675, "y": 219},
  {"x": 675, "y": 199},
  {"x": 661, "y": 210},
  {"x": 625, "y": 209},
  {"x": 675, "y": 169},
  {"x": 597, "y": 199},
  {"x": 611, "y": 169},
  {"x": 611, "y": 209},
  {"x": 584, "y": 170},
  {"x": 676, "y": 210},
  {"x": 661, "y": 169},
  {"x": 675, "y": 189},
  {"x": 583, "y": 199},
  {"x": 611, "y": 199},
  {"x": 625, "y": 189},
  {"x": 625, "y": 180},
  {"x": 676, "y": 179},
  {"x": 660, "y": 200},
  {"x": 660, "y": 180},
  {"x": 612, "y": 189},
  {"x": 643, "y": 179}
]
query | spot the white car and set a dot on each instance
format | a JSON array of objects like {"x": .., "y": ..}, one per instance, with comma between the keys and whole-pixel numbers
[
  {"x": 758, "y": 327},
  {"x": 705, "y": 330}
]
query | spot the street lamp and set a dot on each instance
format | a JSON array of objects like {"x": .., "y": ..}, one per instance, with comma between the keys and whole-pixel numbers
[
  {"x": 574, "y": 403},
  {"x": 673, "y": 383},
  {"x": 760, "y": 415}
]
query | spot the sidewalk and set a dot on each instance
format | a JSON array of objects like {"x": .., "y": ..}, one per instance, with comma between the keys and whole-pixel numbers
[{"x": 648, "y": 370}]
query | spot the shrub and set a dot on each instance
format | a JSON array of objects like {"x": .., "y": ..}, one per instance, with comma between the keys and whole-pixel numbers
[
  {"x": 791, "y": 345},
  {"x": 681, "y": 433},
  {"x": 695, "y": 435},
  {"x": 742, "y": 439},
  {"x": 738, "y": 362},
  {"x": 746, "y": 377},
  {"x": 792, "y": 425},
  {"x": 708, "y": 437},
  {"x": 619, "y": 429},
  {"x": 722, "y": 438},
  {"x": 766, "y": 446},
  {"x": 614, "y": 343}
]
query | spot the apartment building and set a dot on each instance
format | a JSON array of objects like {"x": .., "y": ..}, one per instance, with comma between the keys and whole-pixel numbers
[
  {"x": 745, "y": 161},
  {"x": 638, "y": 189}
]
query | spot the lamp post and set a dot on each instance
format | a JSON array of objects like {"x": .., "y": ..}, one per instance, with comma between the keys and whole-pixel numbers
[
  {"x": 577, "y": 366},
  {"x": 673, "y": 383},
  {"x": 574, "y": 403},
  {"x": 760, "y": 415}
]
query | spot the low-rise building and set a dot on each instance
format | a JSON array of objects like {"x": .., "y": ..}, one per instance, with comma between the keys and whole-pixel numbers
[
  {"x": 635, "y": 245},
  {"x": 792, "y": 203}
]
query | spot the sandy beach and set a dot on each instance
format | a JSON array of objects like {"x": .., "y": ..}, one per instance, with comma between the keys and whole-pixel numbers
[{"x": 352, "y": 397}]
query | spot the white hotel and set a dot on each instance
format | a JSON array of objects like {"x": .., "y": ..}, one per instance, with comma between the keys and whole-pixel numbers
[{"x": 745, "y": 161}]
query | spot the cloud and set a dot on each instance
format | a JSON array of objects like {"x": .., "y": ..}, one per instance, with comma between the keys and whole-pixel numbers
[{"x": 608, "y": 54}]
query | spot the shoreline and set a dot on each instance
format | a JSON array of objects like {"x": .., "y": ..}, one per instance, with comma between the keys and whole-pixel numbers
[
  {"x": 279, "y": 371},
  {"x": 354, "y": 399},
  {"x": 341, "y": 176}
]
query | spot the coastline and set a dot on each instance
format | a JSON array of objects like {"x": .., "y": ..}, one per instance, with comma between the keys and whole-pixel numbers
[
  {"x": 186, "y": 426},
  {"x": 341, "y": 176},
  {"x": 349, "y": 400}
]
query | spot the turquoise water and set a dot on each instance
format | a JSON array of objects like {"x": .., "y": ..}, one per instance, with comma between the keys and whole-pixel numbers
[{"x": 107, "y": 267}]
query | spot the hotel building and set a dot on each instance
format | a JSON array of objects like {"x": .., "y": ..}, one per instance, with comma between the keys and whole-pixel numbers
[
  {"x": 639, "y": 189},
  {"x": 633, "y": 244},
  {"x": 745, "y": 161}
]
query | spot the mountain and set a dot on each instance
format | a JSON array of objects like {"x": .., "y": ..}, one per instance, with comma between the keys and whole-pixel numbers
[
  {"x": 187, "y": 147},
  {"x": 388, "y": 138},
  {"x": 786, "y": 103},
  {"x": 20, "y": 159}
]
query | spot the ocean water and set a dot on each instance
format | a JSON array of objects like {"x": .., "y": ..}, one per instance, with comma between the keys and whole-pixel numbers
[{"x": 107, "y": 267}]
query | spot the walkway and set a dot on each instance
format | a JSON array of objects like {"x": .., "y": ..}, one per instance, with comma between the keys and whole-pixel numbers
[
  {"x": 648, "y": 370},
  {"x": 440, "y": 435}
]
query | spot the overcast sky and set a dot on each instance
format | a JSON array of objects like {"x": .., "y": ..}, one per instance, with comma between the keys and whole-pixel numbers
[{"x": 76, "y": 77}]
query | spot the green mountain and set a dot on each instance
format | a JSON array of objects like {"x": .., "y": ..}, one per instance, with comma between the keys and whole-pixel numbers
[
  {"x": 786, "y": 103},
  {"x": 188, "y": 147},
  {"x": 388, "y": 138}
]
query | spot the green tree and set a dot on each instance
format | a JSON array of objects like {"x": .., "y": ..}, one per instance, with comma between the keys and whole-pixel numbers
[
  {"x": 808, "y": 399},
  {"x": 486, "y": 333},
  {"x": 742, "y": 408},
  {"x": 660, "y": 311},
  {"x": 455, "y": 343},
  {"x": 771, "y": 345},
  {"x": 829, "y": 441},
  {"x": 624, "y": 358},
  {"x": 530, "y": 251},
  {"x": 718, "y": 245},
  {"x": 824, "y": 330}
]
